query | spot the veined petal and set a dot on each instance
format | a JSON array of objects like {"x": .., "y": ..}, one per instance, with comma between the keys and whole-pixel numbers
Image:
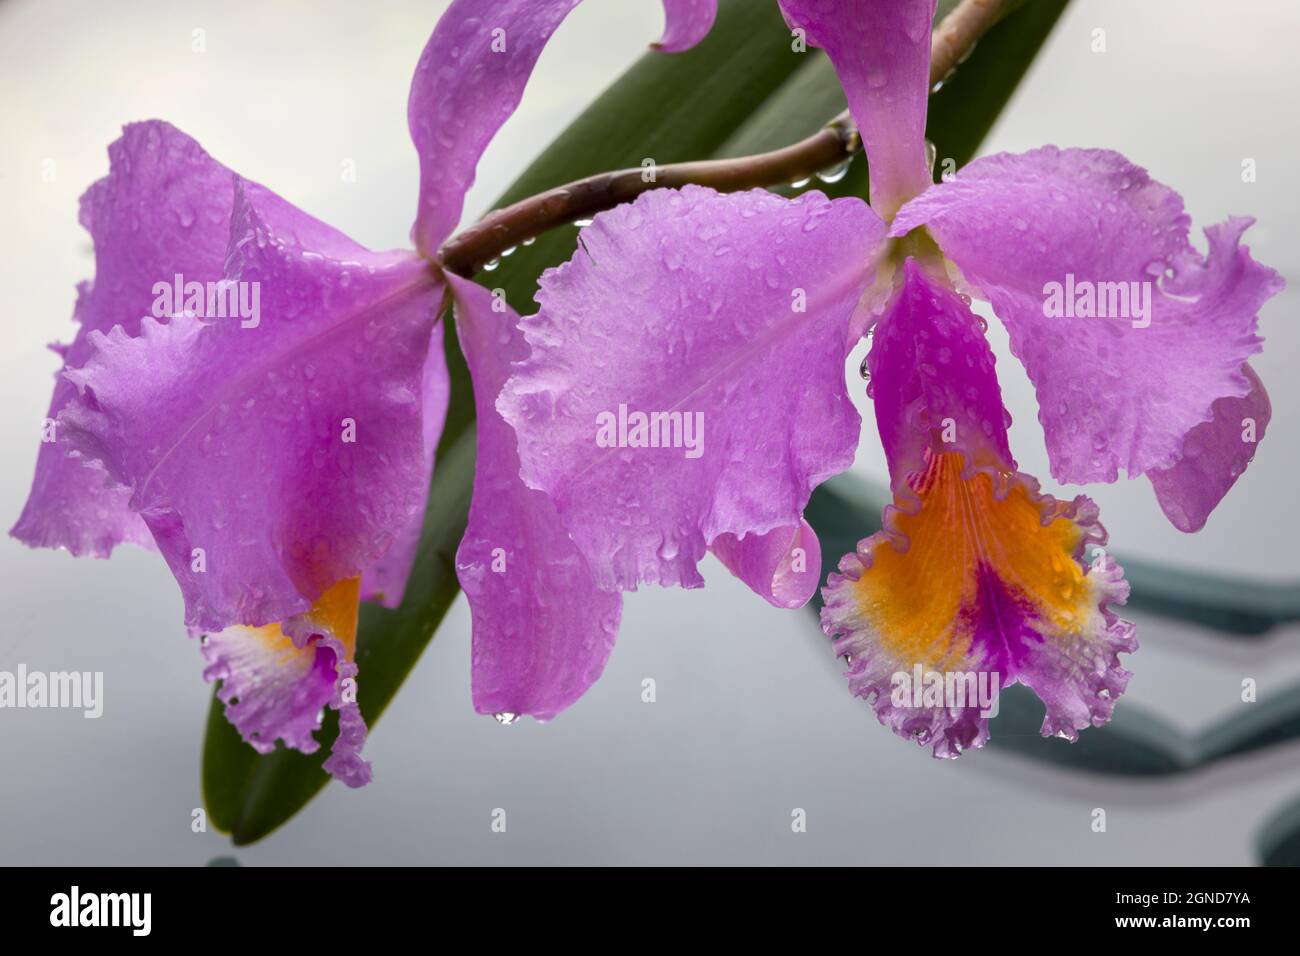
[
  {"x": 688, "y": 22},
  {"x": 1214, "y": 455},
  {"x": 1070, "y": 246},
  {"x": 277, "y": 454},
  {"x": 162, "y": 210},
  {"x": 469, "y": 81},
  {"x": 686, "y": 374},
  {"x": 980, "y": 580},
  {"x": 881, "y": 52},
  {"x": 542, "y": 630},
  {"x": 783, "y": 566},
  {"x": 276, "y": 681},
  {"x": 933, "y": 382}
]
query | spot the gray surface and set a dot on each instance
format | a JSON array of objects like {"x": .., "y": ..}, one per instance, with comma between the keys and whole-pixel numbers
[{"x": 752, "y": 719}]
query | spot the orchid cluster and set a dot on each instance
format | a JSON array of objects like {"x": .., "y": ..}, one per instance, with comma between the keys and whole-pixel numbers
[{"x": 684, "y": 313}]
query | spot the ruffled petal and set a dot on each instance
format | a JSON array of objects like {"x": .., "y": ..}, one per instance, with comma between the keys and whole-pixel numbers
[
  {"x": 277, "y": 680},
  {"x": 686, "y": 375},
  {"x": 1054, "y": 237},
  {"x": 163, "y": 209},
  {"x": 542, "y": 630},
  {"x": 978, "y": 582},
  {"x": 783, "y": 566},
  {"x": 881, "y": 52},
  {"x": 688, "y": 22},
  {"x": 469, "y": 81},
  {"x": 1213, "y": 456},
  {"x": 275, "y": 455},
  {"x": 933, "y": 381}
]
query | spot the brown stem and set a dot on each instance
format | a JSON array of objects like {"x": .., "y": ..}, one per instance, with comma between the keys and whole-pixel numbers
[{"x": 468, "y": 251}]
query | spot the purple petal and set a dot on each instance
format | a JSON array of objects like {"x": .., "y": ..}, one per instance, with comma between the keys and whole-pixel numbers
[
  {"x": 277, "y": 680},
  {"x": 385, "y": 580},
  {"x": 688, "y": 22},
  {"x": 881, "y": 52},
  {"x": 720, "y": 324},
  {"x": 1126, "y": 389},
  {"x": 1214, "y": 455},
  {"x": 980, "y": 580},
  {"x": 469, "y": 81},
  {"x": 542, "y": 631},
  {"x": 164, "y": 208},
  {"x": 933, "y": 381},
  {"x": 783, "y": 566},
  {"x": 276, "y": 455}
]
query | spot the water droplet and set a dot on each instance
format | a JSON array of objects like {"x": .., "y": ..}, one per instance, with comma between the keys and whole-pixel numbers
[
  {"x": 834, "y": 173},
  {"x": 508, "y": 251},
  {"x": 864, "y": 369},
  {"x": 800, "y": 183},
  {"x": 491, "y": 265},
  {"x": 582, "y": 223},
  {"x": 530, "y": 240},
  {"x": 506, "y": 718}
]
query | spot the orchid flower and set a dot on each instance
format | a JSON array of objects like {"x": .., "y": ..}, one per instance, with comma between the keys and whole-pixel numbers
[
  {"x": 260, "y": 398},
  {"x": 742, "y": 309}
]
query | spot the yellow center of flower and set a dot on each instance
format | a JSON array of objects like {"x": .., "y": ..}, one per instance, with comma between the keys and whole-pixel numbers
[
  {"x": 977, "y": 558},
  {"x": 334, "y": 612}
]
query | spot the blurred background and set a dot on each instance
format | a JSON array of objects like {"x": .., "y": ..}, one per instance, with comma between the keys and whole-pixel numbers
[{"x": 752, "y": 719}]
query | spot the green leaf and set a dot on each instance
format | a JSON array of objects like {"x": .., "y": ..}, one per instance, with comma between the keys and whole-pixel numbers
[
  {"x": 1138, "y": 743},
  {"x": 966, "y": 107},
  {"x": 744, "y": 89},
  {"x": 1279, "y": 839}
]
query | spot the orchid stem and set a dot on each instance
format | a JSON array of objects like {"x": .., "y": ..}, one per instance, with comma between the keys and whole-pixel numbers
[{"x": 835, "y": 143}]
